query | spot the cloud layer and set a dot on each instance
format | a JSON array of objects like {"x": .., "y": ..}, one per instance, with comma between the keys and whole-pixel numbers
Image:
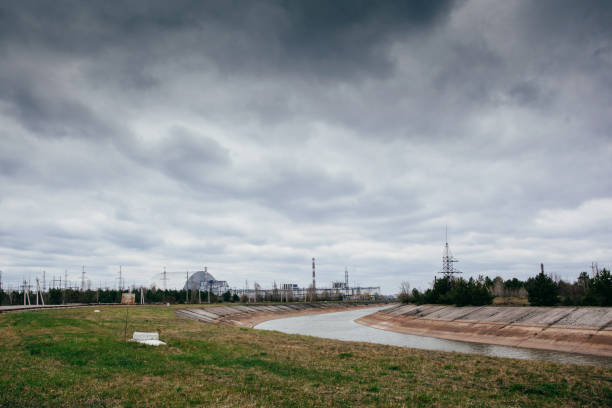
[{"x": 250, "y": 137}]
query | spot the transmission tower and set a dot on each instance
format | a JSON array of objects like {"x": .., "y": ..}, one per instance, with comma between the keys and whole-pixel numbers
[
  {"x": 26, "y": 293},
  {"x": 448, "y": 261}
]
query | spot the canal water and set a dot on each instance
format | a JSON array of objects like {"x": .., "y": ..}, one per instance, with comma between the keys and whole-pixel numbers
[{"x": 342, "y": 326}]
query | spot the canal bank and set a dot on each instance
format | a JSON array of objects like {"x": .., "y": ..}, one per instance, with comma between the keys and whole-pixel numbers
[
  {"x": 585, "y": 330},
  {"x": 250, "y": 316},
  {"x": 342, "y": 326}
]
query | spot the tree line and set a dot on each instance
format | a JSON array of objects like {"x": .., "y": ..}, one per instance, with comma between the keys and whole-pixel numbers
[
  {"x": 154, "y": 295},
  {"x": 151, "y": 295},
  {"x": 540, "y": 290}
]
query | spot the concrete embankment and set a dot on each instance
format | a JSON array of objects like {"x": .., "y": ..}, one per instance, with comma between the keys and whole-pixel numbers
[
  {"x": 250, "y": 316},
  {"x": 586, "y": 330}
]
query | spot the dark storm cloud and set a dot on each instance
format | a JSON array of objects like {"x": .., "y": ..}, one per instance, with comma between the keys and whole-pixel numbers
[{"x": 325, "y": 38}]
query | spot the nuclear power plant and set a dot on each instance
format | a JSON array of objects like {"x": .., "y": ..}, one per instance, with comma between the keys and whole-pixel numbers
[{"x": 203, "y": 281}]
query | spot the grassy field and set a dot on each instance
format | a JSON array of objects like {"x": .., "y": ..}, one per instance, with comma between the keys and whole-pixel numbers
[{"x": 74, "y": 357}]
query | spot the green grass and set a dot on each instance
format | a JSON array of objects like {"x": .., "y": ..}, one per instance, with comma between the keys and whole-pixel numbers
[{"x": 74, "y": 357}]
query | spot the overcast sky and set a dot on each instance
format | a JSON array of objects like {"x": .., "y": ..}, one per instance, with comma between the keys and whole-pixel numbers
[{"x": 251, "y": 136}]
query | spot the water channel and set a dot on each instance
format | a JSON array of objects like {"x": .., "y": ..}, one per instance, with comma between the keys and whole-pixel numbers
[{"x": 342, "y": 326}]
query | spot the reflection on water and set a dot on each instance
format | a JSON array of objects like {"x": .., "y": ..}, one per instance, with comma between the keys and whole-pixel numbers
[{"x": 341, "y": 326}]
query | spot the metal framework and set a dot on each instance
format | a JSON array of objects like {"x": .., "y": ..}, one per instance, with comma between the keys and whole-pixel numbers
[{"x": 448, "y": 261}]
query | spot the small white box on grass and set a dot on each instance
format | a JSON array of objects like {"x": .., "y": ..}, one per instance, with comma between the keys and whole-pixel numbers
[{"x": 150, "y": 338}]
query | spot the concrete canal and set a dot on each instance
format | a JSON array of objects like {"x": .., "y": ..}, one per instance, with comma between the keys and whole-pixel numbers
[{"x": 342, "y": 326}]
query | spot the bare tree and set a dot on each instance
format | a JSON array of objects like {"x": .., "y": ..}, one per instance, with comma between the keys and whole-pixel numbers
[{"x": 404, "y": 295}]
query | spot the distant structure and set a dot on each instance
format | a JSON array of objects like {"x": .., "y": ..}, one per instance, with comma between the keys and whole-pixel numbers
[
  {"x": 314, "y": 286},
  {"x": 346, "y": 284},
  {"x": 204, "y": 281},
  {"x": 448, "y": 261},
  {"x": 342, "y": 287},
  {"x": 293, "y": 287}
]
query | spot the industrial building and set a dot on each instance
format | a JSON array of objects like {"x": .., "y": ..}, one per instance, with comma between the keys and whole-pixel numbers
[{"x": 205, "y": 282}]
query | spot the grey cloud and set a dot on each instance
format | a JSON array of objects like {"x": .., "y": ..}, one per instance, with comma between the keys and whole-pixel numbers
[
  {"x": 189, "y": 157},
  {"x": 9, "y": 166},
  {"x": 255, "y": 135},
  {"x": 294, "y": 185},
  {"x": 50, "y": 115},
  {"x": 525, "y": 93}
]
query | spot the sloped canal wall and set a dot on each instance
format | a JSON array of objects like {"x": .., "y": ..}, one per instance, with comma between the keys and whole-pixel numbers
[
  {"x": 250, "y": 316},
  {"x": 586, "y": 330}
]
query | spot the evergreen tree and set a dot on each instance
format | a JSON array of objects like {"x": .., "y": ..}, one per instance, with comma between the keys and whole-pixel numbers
[
  {"x": 601, "y": 288},
  {"x": 542, "y": 290}
]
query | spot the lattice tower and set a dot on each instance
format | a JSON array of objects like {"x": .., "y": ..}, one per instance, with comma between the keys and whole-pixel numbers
[{"x": 448, "y": 261}]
